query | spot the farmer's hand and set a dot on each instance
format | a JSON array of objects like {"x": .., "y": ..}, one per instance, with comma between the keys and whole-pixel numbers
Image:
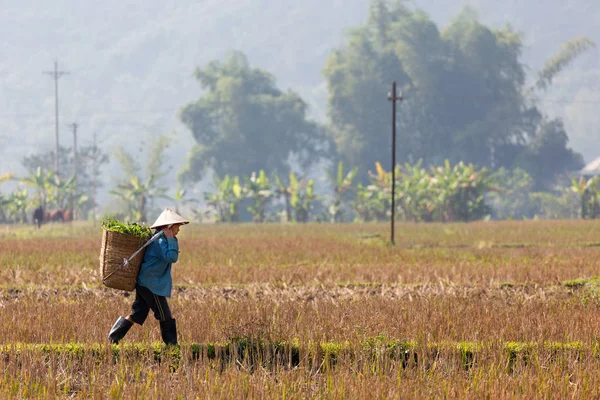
[{"x": 168, "y": 232}]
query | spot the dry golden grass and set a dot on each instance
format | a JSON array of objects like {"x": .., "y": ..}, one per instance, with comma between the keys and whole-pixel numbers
[
  {"x": 310, "y": 314},
  {"x": 464, "y": 254},
  {"x": 486, "y": 283}
]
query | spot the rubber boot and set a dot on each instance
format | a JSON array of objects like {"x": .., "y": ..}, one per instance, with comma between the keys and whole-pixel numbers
[
  {"x": 119, "y": 330},
  {"x": 168, "y": 330}
]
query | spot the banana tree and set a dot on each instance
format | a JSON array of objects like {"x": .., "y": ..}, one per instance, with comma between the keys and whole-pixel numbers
[
  {"x": 226, "y": 198},
  {"x": 51, "y": 190},
  {"x": 80, "y": 201},
  {"x": 372, "y": 201},
  {"x": 16, "y": 206},
  {"x": 416, "y": 193},
  {"x": 460, "y": 191},
  {"x": 137, "y": 193},
  {"x": 43, "y": 182},
  {"x": 371, "y": 204},
  {"x": 258, "y": 189},
  {"x": 444, "y": 193},
  {"x": 589, "y": 194},
  {"x": 303, "y": 195},
  {"x": 68, "y": 197},
  {"x": 285, "y": 191},
  {"x": 342, "y": 185},
  {"x": 60, "y": 191},
  {"x": 298, "y": 196},
  {"x": 182, "y": 198},
  {"x": 3, "y": 201}
]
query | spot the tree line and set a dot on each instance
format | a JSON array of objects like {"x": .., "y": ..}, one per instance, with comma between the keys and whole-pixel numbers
[{"x": 444, "y": 193}]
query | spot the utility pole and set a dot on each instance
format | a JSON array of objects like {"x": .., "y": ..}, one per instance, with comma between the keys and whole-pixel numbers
[
  {"x": 74, "y": 125},
  {"x": 393, "y": 96},
  {"x": 56, "y": 74}
]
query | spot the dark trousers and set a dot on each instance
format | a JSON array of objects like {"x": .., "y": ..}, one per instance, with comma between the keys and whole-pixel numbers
[{"x": 145, "y": 301}]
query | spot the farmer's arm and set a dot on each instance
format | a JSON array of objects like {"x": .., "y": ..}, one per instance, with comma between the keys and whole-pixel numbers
[{"x": 168, "y": 249}]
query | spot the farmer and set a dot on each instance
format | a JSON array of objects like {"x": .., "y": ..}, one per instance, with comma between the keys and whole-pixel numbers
[{"x": 154, "y": 282}]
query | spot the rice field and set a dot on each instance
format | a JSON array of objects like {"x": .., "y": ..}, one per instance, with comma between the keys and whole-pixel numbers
[{"x": 480, "y": 310}]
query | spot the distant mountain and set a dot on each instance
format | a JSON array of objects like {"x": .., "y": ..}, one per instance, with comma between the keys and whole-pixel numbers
[{"x": 130, "y": 63}]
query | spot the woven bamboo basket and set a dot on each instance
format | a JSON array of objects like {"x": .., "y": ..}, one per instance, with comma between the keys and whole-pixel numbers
[{"x": 116, "y": 247}]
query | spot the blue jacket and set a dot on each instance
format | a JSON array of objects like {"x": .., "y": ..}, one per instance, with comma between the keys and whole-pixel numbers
[{"x": 155, "y": 271}]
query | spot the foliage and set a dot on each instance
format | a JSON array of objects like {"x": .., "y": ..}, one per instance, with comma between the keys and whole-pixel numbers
[
  {"x": 373, "y": 201},
  {"x": 461, "y": 192},
  {"x": 60, "y": 192},
  {"x": 415, "y": 196},
  {"x": 298, "y": 196},
  {"x": 285, "y": 191},
  {"x": 562, "y": 204},
  {"x": 137, "y": 191},
  {"x": 512, "y": 199},
  {"x": 258, "y": 189},
  {"x": 244, "y": 123},
  {"x": 13, "y": 208},
  {"x": 303, "y": 196},
  {"x": 3, "y": 201},
  {"x": 89, "y": 161},
  {"x": 566, "y": 54},
  {"x": 135, "y": 229},
  {"x": 41, "y": 180},
  {"x": 6, "y": 177},
  {"x": 51, "y": 190},
  {"x": 446, "y": 193},
  {"x": 226, "y": 198},
  {"x": 443, "y": 193},
  {"x": 341, "y": 183},
  {"x": 229, "y": 193},
  {"x": 464, "y": 90},
  {"x": 588, "y": 191},
  {"x": 546, "y": 157},
  {"x": 516, "y": 198},
  {"x": 183, "y": 198}
]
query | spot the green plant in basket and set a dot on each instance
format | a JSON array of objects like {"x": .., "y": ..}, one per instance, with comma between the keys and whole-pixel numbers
[{"x": 114, "y": 225}]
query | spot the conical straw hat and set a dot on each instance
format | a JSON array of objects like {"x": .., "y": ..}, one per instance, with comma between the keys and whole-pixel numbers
[{"x": 169, "y": 217}]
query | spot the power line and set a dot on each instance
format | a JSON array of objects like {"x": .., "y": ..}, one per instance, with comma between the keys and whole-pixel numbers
[
  {"x": 173, "y": 110},
  {"x": 94, "y": 113}
]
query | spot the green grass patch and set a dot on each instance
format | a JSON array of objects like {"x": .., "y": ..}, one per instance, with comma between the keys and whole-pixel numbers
[
  {"x": 318, "y": 356},
  {"x": 576, "y": 283},
  {"x": 591, "y": 285}
]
